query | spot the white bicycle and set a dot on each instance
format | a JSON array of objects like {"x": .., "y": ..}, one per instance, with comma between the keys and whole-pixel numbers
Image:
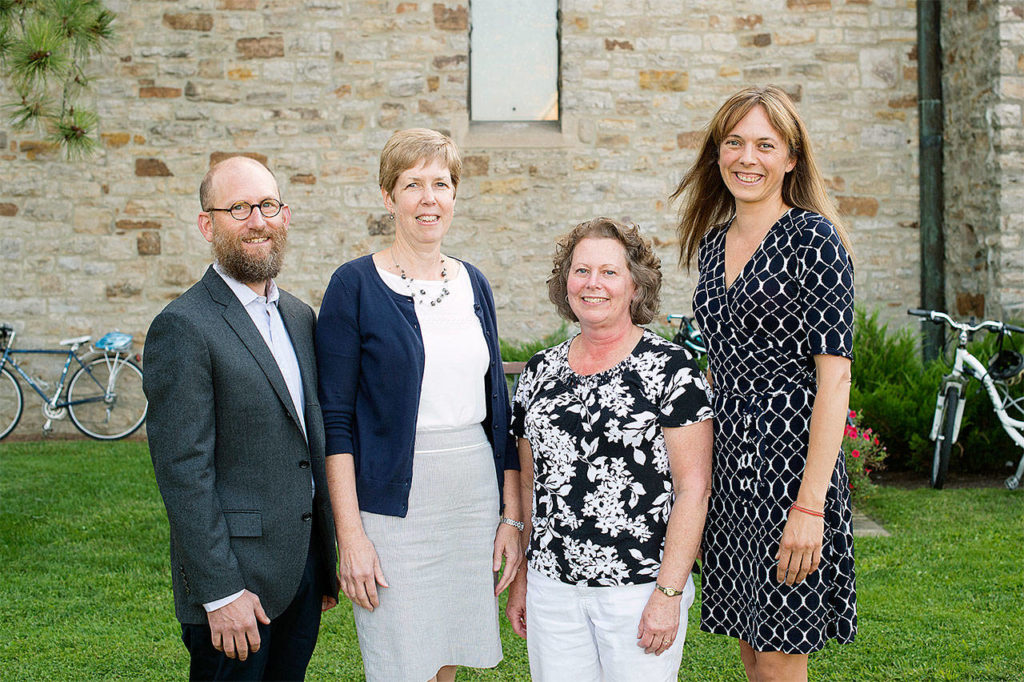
[{"x": 1005, "y": 368}]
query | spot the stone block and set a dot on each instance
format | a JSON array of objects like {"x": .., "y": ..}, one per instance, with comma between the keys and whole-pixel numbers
[
  {"x": 406, "y": 85},
  {"x": 475, "y": 165},
  {"x": 611, "y": 45},
  {"x": 809, "y": 5},
  {"x": 8, "y": 210},
  {"x": 756, "y": 40},
  {"x": 159, "y": 92},
  {"x": 304, "y": 179},
  {"x": 191, "y": 21},
  {"x": 449, "y": 61},
  {"x": 122, "y": 290},
  {"x": 217, "y": 157},
  {"x": 858, "y": 206},
  {"x": 510, "y": 186},
  {"x": 239, "y": 4},
  {"x": 151, "y": 168},
  {"x": 970, "y": 304},
  {"x": 377, "y": 225},
  {"x": 664, "y": 81},
  {"x": 260, "y": 48},
  {"x": 148, "y": 243},
  {"x": 879, "y": 68},
  {"x": 454, "y": 19},
  {"x": 33, "y": 149},
  {"x": 115, "y": 140},
  {"x": 137, "y": 225},
  {"x": 689, "y": 139},
  {"x": 748, "y": 23}
]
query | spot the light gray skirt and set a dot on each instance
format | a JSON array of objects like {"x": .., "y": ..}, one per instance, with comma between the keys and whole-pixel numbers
[{"x": 440, "y": 608}]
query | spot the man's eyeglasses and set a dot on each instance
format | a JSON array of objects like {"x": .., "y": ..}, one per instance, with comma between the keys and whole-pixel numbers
[{"x": 242, "y": 210}]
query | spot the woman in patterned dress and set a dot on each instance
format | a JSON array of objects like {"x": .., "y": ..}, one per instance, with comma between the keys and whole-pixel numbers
[
  {"x": 615, "y": 459},
  {"x": 774, "y": 301}
]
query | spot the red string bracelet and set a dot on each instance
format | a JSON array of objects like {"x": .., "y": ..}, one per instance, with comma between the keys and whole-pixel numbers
[{"x": 805, "y": 510}]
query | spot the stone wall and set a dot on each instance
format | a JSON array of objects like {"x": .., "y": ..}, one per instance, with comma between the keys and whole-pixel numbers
[
  {"x": 315, "y": 87},
  {"x": 971, "y": 174},
  {"x": 1008, "y": 285},
  {"x": 983, "y": 94}
]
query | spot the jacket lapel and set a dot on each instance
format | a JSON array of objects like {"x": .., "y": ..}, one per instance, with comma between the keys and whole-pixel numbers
[{"x": 239, "y": 321}]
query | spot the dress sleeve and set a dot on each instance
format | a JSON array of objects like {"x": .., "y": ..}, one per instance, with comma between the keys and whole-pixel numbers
[
  {"x": 687, "y": 397},
  {"x": 826, "y": 290}
]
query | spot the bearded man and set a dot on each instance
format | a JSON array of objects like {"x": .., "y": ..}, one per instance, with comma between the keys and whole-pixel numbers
[{"x": 237, "y": 442}]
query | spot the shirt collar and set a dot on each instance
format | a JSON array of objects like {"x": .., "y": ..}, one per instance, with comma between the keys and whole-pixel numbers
[{"x": 244, "y": 294}]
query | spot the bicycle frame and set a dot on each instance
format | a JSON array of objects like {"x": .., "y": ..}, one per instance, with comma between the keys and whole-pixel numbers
[
  {"x": 54, "y": 402},
  {"x": 1013, "y": 427},
  {"x": 965, "y": 365}
]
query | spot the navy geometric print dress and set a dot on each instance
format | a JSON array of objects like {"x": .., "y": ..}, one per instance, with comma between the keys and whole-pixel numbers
[{"x": 793, "y": 300}]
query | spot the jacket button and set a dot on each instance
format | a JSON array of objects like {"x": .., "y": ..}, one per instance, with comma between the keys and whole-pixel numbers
[
  {"x": 307, "y": 516},
  {"x": 304, "y": 464}
]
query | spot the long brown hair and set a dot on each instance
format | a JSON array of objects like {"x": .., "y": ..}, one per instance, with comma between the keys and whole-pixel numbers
[{"x": 707, "y": 201}]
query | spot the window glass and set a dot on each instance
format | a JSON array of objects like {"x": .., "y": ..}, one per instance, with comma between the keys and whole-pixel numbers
[{"x": 514, "y": 60}]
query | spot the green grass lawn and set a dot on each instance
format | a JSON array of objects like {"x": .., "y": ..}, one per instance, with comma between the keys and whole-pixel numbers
[{"x": 85, "y": 586}]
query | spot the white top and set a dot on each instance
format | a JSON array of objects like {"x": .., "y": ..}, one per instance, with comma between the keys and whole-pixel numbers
[{"x": 456, "y": 358}]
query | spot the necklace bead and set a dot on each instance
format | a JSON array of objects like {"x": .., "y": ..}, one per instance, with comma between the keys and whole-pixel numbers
[{"x": 409, "y": 281}]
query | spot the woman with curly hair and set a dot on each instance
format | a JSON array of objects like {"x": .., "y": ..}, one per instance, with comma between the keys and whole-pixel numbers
[{"x": 615, "y": 459}]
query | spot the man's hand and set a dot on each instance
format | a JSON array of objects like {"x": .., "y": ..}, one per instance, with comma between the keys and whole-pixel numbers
[{"x": 233, "y": 627}]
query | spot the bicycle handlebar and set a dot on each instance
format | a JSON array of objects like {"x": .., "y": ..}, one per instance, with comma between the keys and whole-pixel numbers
[{"x": 942, "y": 318}]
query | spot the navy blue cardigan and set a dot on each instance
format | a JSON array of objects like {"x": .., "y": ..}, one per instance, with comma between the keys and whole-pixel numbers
[{"x": 369, "y": 352}]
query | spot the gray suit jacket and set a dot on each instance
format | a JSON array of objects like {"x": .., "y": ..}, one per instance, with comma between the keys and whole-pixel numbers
[{"x": 231, "y": 462}]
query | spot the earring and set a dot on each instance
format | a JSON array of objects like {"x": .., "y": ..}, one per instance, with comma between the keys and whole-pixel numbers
[{"x": 391, "y": 216}]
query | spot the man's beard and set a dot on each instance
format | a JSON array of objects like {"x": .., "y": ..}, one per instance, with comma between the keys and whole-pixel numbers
[{"x": 249, "y": 268}]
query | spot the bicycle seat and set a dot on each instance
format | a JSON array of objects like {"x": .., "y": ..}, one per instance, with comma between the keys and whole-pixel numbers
[{"x": 77, "y": 341}]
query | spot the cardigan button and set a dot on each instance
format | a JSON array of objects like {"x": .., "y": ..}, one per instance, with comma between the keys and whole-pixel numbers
[
  {"x": 304, "y": 464},
  {"x": 306, "y": 516}
]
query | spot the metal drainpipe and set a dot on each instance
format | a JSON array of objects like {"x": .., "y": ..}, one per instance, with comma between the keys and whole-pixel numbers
[{"x": 929, "y": 101}]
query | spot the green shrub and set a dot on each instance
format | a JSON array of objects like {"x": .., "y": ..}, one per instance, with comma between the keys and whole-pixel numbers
[
  {"x": 521, "y": 351},
  {"x": 893, "y": 391}
]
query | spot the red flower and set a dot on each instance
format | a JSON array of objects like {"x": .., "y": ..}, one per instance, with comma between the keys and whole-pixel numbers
[
  {"x": 855, "y": 453},
  {"x": 853, "y": 415}
]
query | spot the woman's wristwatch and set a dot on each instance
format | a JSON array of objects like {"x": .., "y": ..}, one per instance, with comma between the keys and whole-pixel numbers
[
  {"x": 668, "y": 591},
  {"x": 518, "y": 525}
]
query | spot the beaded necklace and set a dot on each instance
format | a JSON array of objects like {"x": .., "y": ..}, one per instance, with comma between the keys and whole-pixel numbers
[{"x": 410, "y": 282}]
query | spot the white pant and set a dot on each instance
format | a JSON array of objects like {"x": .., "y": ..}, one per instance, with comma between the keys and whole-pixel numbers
[{"x": 583, "y": 634}]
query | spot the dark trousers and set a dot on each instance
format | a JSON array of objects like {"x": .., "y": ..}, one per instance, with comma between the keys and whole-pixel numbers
[{"x": 286, "y": 645}]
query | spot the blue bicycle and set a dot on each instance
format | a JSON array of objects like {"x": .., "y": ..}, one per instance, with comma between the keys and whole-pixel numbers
[{"x": 104, "y": 396}]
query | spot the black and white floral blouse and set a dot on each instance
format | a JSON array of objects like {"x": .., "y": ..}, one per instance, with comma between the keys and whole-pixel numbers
[{"x": 602, "y": 489}]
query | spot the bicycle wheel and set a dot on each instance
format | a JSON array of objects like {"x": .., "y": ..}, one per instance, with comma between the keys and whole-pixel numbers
[
  {"x": 944, "y": 441},
  {"x": 107, "y": 415},
  {"x": 12, "y": 402}
]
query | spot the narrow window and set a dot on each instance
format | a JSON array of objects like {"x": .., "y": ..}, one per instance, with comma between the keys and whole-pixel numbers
[{"x": 513, "y": 62}]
